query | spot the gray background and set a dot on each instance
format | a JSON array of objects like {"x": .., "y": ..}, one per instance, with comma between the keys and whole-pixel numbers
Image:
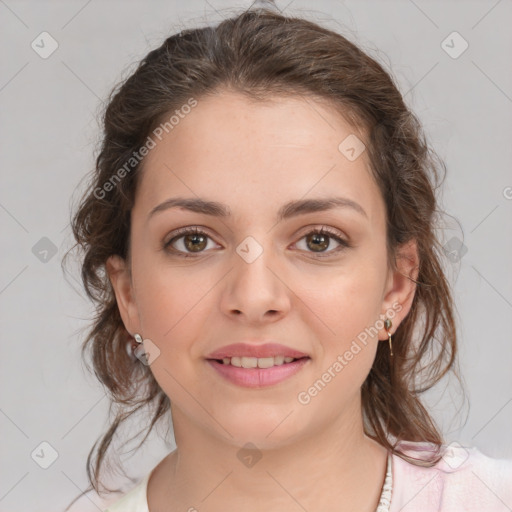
[{"x": 49, "y": 132}]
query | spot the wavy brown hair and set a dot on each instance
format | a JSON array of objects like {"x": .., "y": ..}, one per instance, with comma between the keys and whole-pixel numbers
[{"x": 263, "y": 54}]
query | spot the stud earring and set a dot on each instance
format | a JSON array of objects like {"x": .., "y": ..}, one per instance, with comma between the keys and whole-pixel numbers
[
  {"x": 137, "y": 346},
  {"x": 388, "y": 324}
]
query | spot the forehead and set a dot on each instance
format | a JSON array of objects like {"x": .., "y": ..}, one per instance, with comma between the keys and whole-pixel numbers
[{"x": 229, "y": 147}]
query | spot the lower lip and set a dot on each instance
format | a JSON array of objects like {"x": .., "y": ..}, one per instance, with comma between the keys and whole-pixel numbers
[{"x": 258, "y": 377}]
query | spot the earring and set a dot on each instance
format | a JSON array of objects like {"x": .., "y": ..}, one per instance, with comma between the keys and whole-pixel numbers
[
  {"x": 388, "y": 324},
  {"x": 137, "y": 346}
]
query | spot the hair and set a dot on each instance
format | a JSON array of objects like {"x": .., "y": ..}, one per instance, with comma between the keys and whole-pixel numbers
[{"x": 264, "y": 55}]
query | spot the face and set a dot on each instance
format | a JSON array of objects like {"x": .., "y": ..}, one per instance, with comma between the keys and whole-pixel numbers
[{"x": 255, "y": 276}]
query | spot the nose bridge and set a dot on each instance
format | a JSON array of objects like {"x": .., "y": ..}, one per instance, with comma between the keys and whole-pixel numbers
[
  {"x": 255, "y": 259},
  {"x": 255, "y": 287}
]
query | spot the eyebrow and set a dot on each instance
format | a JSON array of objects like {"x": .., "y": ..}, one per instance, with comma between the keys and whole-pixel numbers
[{"x": 288, "y": 210}]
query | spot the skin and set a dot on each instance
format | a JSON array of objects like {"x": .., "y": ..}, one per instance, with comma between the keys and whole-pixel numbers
[{"x": 254, "y": 157}]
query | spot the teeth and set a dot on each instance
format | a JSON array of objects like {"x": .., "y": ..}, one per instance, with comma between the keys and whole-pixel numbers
[{"x": 257, "y": 362}]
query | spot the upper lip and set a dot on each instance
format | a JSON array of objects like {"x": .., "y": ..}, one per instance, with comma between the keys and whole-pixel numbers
[{"x": 252, "y": 350}]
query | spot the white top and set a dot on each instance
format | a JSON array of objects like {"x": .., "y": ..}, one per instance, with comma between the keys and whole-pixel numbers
[{"x": 463, "y": 479}]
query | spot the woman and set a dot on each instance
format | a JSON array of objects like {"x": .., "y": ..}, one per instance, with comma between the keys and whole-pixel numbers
[{"x": 259, "y": 240}]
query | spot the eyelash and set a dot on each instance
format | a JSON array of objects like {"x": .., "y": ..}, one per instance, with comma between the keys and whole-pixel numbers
[{"x": 180, "y": 233}]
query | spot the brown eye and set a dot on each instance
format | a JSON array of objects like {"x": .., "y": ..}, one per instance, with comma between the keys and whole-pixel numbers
[
  {"x": 319, "y": 240},
  {"x": 187, "y": 241},
  {"x": 194, "y": 242}
]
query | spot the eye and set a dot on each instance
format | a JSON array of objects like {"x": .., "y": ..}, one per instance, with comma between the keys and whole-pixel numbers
[
  {"x": 320, "y": 239},
  {"x": 187, "y": 241},
  {"x": 190, "y": 240}
]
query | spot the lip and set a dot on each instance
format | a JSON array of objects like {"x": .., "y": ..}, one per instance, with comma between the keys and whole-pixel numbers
[
  {"x": 252, "y": 350},
  {"x": 258, "y": 377}
]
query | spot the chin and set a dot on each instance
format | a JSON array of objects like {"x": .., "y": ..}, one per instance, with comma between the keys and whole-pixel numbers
[{"x": 266, "y": 430}]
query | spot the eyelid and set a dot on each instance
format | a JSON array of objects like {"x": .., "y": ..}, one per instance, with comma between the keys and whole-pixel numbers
[
  {"x": 333, "y": 232},
  {"x": 186, "y": 230}
]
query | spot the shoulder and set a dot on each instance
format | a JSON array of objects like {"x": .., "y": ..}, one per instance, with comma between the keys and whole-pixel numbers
[
  {"x": 133, "y": 501},
  {"x": 463, "y": 479}
]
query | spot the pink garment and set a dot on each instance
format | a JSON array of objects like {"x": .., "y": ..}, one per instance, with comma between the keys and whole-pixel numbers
[{"x": 464, "y": 480}]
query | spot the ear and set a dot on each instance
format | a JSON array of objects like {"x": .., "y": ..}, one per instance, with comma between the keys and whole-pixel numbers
[
  {"x": 401, "y": 286},
  {"x": 120, "y": 278}
]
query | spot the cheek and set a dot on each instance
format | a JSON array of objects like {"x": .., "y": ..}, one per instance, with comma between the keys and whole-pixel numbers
[
  {"x": 171, "y": 300},
  {"x": 171, "y": 307},
  {"x": 350, "y": 307},
  {"x": 164, "y": 306},
  {"x": 349, "y": 304},
  {"x": 346, "y": 300}
]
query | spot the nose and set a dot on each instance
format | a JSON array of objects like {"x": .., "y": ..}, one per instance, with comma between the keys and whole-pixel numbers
[{"x": 256, "y": 292}]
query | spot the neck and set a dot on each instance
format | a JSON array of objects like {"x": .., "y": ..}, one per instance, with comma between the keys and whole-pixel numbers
[{"x": 338, "y": 469}]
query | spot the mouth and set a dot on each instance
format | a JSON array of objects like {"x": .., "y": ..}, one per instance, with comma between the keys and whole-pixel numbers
[
  {"x": 252, "y": 372},
  {"x": 257, "y": 362}
]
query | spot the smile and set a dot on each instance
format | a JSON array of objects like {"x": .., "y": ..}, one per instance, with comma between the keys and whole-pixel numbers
[
  {"x": 255, "y": 372},
  {"x": 257, "y": 362}
]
